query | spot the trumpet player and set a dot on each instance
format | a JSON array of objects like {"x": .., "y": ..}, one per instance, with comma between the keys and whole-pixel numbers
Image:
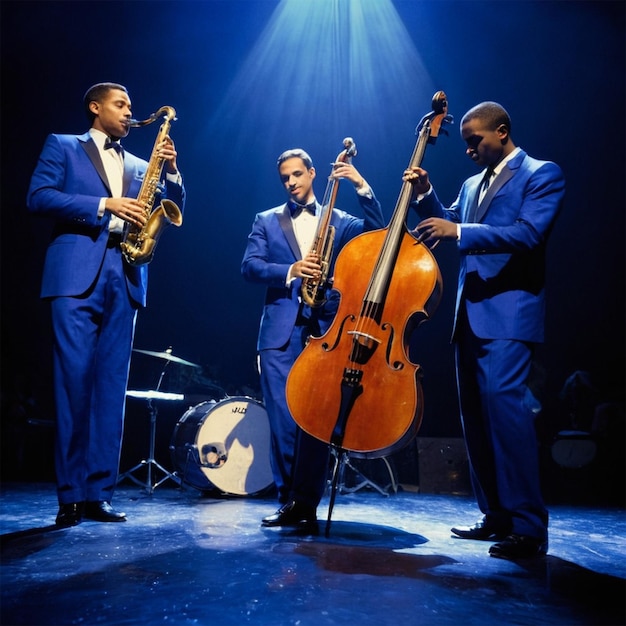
[
  {"x": 277, "y": 255},
  {"x": 88, "y": 185}
]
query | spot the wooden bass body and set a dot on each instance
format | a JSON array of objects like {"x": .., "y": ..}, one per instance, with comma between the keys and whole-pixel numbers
[{"x": 387, "y": 412}]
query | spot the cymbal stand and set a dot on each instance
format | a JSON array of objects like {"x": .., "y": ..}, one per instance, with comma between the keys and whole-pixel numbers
[{"x": 151, "y": 461}]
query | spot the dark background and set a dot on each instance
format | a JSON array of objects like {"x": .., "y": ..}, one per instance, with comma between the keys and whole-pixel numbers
[{"x": 558, "y": 67}]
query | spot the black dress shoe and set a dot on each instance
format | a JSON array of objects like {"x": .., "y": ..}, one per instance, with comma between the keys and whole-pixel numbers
[
  {"x": 293, "y": 515},
  {"x": 69, "y": 514},
  {"x": 481, "y": 530},
  {"x": 519, "y": 547},
  {"x": 102, "y": 512}
]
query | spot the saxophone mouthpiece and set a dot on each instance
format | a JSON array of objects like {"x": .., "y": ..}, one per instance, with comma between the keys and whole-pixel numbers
[
  {"x": 167, "y": 111},
  {"x": 136, "y": 123}
]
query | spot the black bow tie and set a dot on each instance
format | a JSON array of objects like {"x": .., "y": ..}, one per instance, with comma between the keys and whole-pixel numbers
[
  {"x": 296, "y": 208},
  {"x": 115, "y": 145}
]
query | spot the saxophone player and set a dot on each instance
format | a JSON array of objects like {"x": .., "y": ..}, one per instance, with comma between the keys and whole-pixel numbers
[
  {"x": 88, "y": 185},
  {"x": 277, "y": 255}
]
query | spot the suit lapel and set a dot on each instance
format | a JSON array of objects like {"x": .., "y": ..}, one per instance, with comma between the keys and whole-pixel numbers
[
  {"x": 503, "y": 177},
  {"x": 128, "y": 175},
  {"x": 473, "y": 205},
  {"x": 91, "y": 149},
  {"x": 500, "y": 180},
  {"x": 284, "y": 219}
]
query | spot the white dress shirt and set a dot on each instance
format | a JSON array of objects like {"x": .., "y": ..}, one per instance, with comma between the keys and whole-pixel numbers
[{"x": 113, "y": 163}]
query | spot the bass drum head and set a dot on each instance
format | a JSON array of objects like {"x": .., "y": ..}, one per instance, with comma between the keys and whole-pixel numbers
[{"x": 224, "y": 445}]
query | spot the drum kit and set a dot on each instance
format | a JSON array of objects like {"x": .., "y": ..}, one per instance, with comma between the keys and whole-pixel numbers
[{"x": 223, "y": 445}]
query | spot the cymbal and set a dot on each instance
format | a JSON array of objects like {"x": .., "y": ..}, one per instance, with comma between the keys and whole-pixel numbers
[
  {"x": 151, "y": 394},
  {"x": 168, "y": 356}
]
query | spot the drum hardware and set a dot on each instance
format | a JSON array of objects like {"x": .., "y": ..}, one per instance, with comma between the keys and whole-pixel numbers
[
  {"x": 192, "y": 457},
  {"x": 224, "y": 446},
  {"x": 193, "y": 462},
  {"x": 150, "y": 396},
  {"x": 167, "y": 356},
  {"x": 150, "y": 461},
  {"x": 343, "y": 457},
  {"x": 213, "y": 455}
]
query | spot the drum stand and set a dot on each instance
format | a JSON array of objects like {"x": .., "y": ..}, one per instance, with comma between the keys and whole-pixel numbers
[{"x": 151, "y": 461}]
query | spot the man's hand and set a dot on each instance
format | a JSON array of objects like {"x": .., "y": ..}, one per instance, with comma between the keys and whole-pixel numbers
[
  {"x": 349, "y": 172},
  {"x": 418, "y": 179},
  {"x": 434, "y": 229},
  {"x": 167, "y": 151},
  {"x": 309, "y": 267},
  {"x": 128, "y": 209}
]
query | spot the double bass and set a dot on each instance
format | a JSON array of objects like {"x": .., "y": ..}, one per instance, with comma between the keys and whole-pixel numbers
[{"x": 355, "y": 387}]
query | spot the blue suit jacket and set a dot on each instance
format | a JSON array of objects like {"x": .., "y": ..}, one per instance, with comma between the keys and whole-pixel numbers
[
  {"x": 502, "y": 274},
  {"x": 272, "y": 248},
  {"x": 67, "y": 185}
]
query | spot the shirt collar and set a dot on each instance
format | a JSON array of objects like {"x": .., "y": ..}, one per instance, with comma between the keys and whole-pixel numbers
[
  {"x": 498, "y": 168},
  {"x": 100, "y": 138}
]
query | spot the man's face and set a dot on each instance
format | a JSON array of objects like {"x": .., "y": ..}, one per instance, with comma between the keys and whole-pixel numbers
[
  {"x": 113, "y": 114},
  {"x": 485, "y": 147},
  {"x": 297, "y": 179}
]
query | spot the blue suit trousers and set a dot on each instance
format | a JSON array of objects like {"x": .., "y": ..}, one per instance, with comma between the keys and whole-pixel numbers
[
  {"x": 498, "y": 413},
  {"x": 299, "y": 461},
  {"x": 93, "y": 336}
]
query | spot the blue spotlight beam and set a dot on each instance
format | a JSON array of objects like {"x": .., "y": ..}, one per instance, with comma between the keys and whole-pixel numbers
[{"x": 318, "y": 69}]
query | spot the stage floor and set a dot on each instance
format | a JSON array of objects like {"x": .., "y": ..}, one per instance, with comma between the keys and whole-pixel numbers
[{"x": 185, "y": 558}]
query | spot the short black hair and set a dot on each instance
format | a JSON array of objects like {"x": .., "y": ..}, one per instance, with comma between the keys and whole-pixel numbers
[
  {"x": 96, "y": 93},
  {"x": 492, "y": 113},
  {"x": 295, "y": 153}
]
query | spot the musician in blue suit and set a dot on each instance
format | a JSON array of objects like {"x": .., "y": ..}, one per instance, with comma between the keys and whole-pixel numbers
[
  {"x": 501, "y": 221},
  {"x": 278, "y": 256},
  {"x": 89, "y": 186}
]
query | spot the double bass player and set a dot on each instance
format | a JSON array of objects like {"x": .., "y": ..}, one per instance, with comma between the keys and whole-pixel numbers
[{"x": 500, "y": 220}]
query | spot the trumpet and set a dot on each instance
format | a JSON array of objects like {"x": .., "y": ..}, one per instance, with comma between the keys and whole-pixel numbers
[
  {"x": 139, "y": 243},
  {"x": 314, "y": 289}
]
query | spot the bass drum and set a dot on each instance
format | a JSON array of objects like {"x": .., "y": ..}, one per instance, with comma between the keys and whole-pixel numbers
[{"x": 224, "y": 445}]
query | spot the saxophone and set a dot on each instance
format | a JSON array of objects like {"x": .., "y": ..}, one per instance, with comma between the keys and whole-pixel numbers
[
  {"x": 313, "y": 289},
  {"x": 138, "y": 243}
]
